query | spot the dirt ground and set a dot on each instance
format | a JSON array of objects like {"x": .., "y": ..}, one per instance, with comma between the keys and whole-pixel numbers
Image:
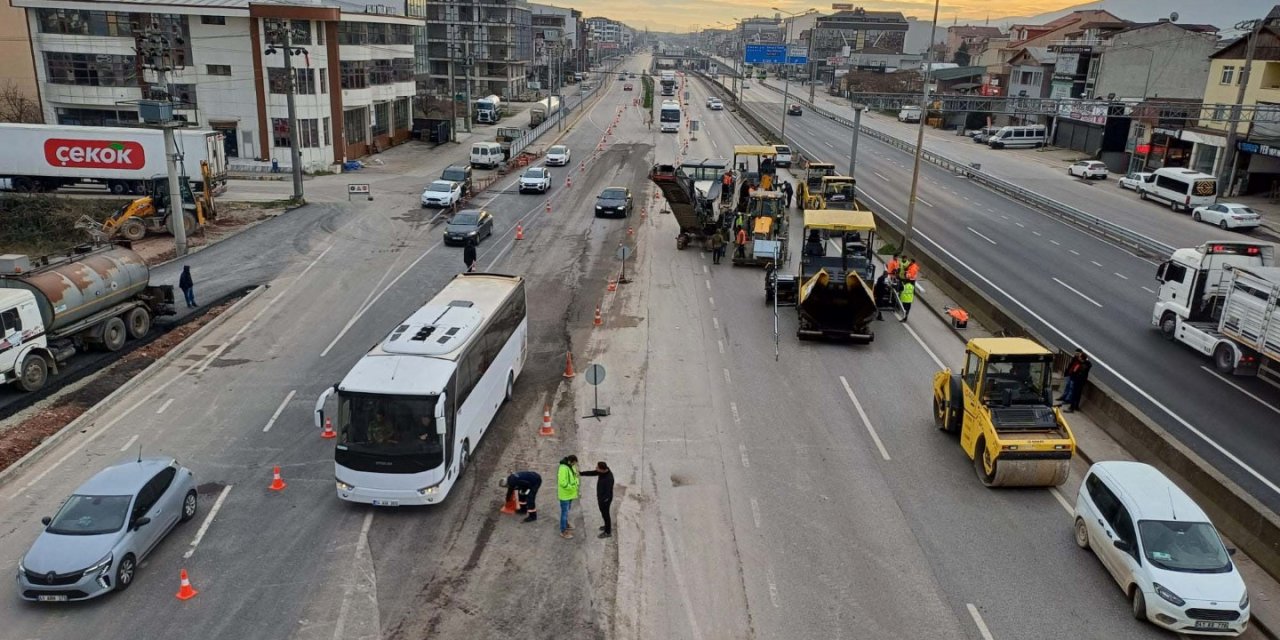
[
  {"x": 19, "y": 439},
  {"x": 233, "y": 217}
]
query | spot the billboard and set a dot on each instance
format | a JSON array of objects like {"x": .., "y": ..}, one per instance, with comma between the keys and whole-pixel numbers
[{"x": 774, "y": 54}]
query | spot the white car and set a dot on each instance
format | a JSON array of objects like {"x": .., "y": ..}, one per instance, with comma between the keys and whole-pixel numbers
[
  {"x": 1227, "y": 215},
  {"x": 535, "y": 179},
  {"x": 716, "y": 104},
  {"x": 1135, "y": 180},
  {"x": 1088, "y": 169},
  {"x": 558, "y": 156},
  {"x": 442, "y": 194},
  {"x": 1161, "y": 549},
  {"x": 909, "y": 114},
  {"x": 710, "y": 100}
]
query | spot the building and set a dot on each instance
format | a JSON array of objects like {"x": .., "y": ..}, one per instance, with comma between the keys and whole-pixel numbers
[
  {"x": 1159, "y": 59},
  {"x": 843, "y": 35},
  {"x": 558, "y": 35},
  {"x": 480, "y": 47},
  {"x": 972, "y": 39},
  {"x": 760, "y": 30},
  {"x": 17, "y": 71},
  {"x": 605, "y": 38},
  {"x": 1031, "y": 72},
  {"x": 354, "y": 84},
  {"x": 1256, "y": 162}
]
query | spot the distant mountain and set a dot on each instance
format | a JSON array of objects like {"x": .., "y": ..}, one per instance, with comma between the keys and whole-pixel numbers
[{"x": 1223, "y": 15}]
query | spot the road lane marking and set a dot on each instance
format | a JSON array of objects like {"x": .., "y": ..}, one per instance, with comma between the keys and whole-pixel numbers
[
  {"x": 165, "y": 405},
  {"x": 1148, "y": 290},
  {"x": 865, "y": 421},
  {"x": 705, "y": 269},
  {"x": 129, "y": 443},
  {"x": 361, "y": 311},
  {"x": 1056, "y": 242},
  {"x": 923, "y": 201},
  {"x": 1242, "y": 389},
  {"x": 339, "y": 626},
  {"x": 977, "y": 233},
  {"x": 711, "y": 301},
  {"x": 726, "y": 376},
  {"x": 924, "y": 346},
  {"x": 755, "y": 512},
  {"x": 720, "y": 344},
  {"x": 977, "y": 619},
  {"x": 708, "y": 283},
  {"x": 1096, "y": 263},
  {"x": 1020, "y": 225},
  {"x": 1057, "y": 495},
  {"x": 1035, "y": 233},
  {"x": 1120, "y": 275},
  {"x": 1077, "y": 292},
  {"x": 208, "y": 520},
  {"x": 773, "y": 590},
  {"x": 279, "y": 410},
  {"x": 715, "y": 322},
  {"x": 880, "y": 176},
  {"x": 733, "y": 406},
  {"x": 742, "y": 449},
  {"x": 1074, "y": 252}
]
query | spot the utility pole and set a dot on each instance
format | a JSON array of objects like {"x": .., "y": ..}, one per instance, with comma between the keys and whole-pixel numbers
[
  {"x": 1229, "y": 162},
  {"x": 157, "y": 49},
  {"x": 857, "y": 128},
  {"x": 924, "y": 116},
  {"x": 284, "y": 35}
]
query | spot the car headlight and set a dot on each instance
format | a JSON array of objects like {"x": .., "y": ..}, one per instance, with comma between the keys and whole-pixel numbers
[
  {"x": 598, "y": 207},
  {"x": 471, "y": 233},
  {"x": 99, "y": 566},
  {"x": 428, "y": 491},
  {"x": 1168, "y": 595},
  {"x": 342, "y": 486},
  {"x": 1244, "y": 600},
  {"x": 23, "y": 569}
]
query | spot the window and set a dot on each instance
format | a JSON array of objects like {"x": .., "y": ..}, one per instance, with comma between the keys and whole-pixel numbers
[
  {"x": 382, "y": 72},
  {"x": 274, "y": 28},
  {"x": 152, "y": 491},
  {"x": 1219, "y": 113},
  {"x": 308, "y": 132},
  {"x": 93, "y": 70},
  {"x": 355, "y": 124},
  {"x": 355, "y": 74},
  {"x": 402, "y": 114},
  {"x": 402, "y": 69},
  {"x": 1228, "y": 75},
  {"x": 96, "y": 117},
  {"x": 324, "y": 80},
  {"x": 10, "y": 322},
  {"x": 352, "y": 33},
  {"x": 381, "y": 118},
  {"x": 86, "y": 23},
  {"x": 213, "y": 20},
  {"x": 280, "y": 132},
  {"x": 325, "y": 131},
  {"x": 217, "y": 69},
  {"x": 971, "y": 368},
  {"x": 1103, "y": 499},
  {"x": 184, "y": 93}
]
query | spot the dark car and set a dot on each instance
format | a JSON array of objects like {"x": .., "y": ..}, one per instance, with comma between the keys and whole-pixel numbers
[
  {"x": 613, "y": 201},
  {"x": 468, "y": 223},
  {"x": 458, "y": 173},
  {"x": 794, "y": 110}
]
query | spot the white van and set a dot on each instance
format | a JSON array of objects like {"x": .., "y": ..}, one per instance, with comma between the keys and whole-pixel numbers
[
  {"x": 486, "y": 154},
  {"x": 783, "y": 158},
  {"x": 1025, "y": 136},
  {"x": 1183, "y": 189}
]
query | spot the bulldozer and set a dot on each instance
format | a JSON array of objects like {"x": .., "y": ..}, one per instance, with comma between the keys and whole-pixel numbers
[
  {"x": 1001, "y": 406},
  {"x": 150, "y": 213}
]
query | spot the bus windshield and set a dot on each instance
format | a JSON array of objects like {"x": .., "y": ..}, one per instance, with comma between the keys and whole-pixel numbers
[
  {"x": 388, "y": 433},
  {"x": 671, "y": 114}
]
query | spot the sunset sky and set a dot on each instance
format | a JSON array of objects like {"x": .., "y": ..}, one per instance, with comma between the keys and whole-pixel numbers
[{"x": 683, "y": 15}]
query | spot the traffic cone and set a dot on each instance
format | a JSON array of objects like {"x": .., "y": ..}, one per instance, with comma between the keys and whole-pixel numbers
[
  {"x": 519, "y": 231},
  {"x": 631, "y": 231},
  {"x": 328, "y": 433},
  {"x": 185, "y": 590},
  {"x": 548, "y": 207},
  {"x": 510, "y": 507},
  {"x": 599, "y": 321},
  {"x": 277, "y": 483},
  {"x": 613, "y": 284},
  {"x": 568, "y": 365},
  {"x": 546, "y": 429},
  {"x": 568, "y": 182}
]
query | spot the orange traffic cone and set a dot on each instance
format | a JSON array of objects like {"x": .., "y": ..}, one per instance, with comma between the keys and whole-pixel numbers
[
  {"x": 568, "y": 182},
  {"x": 546, "y": 429},
  {"x": 631, "y": 231},
  {"x": 277, "y": 483},
  {"x": 519, "y": 231},
  {"x": 185, "y": 590},
  {"x": 568, "y": 365},
  {"x": 548, "y": 207},
  {"x": 510, "y": 506},
  {"x": 599, "y": 321},
  {"x": 613, "y": 284},
  {"x": 328, "y": 433}
]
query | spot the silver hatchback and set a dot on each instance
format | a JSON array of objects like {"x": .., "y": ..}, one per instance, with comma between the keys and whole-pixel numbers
[{"x": 94, "y": 543}]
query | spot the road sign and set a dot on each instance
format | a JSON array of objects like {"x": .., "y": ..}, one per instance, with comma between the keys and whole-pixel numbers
[
  {"x": 595, "y": 374},
  {"x": 624, "y": 252},
  {"x": 358, "y": 189},
  {"x": 765, "y": 53}
]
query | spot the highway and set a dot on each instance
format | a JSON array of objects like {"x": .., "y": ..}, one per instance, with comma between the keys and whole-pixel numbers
[
  {"x": 804, "y": 497},
  {"x": 1072, "y": 288}
]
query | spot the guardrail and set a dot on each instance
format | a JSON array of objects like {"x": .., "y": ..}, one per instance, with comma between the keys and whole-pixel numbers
[
  {"x": 528, "y": 137},
  {"x": 1067, "y": 213}
]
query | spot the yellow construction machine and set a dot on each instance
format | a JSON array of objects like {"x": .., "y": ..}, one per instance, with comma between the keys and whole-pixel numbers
[
  {"x": 811, "y": 187},
  {"x": 150, "y": 213},
  {"x": 1001, "y": 405}
]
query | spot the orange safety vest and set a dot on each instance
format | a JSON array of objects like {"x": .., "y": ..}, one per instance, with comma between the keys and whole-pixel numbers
[
  {"x": 913, "y": 270},
  {"x": 742, "y": 236},
  {"x": 892, "y": 267}
]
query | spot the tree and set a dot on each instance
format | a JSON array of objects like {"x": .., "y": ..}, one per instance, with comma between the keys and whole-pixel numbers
[
  {"x": 962, "y": 55},
  {"x": 17, "y": 106}
]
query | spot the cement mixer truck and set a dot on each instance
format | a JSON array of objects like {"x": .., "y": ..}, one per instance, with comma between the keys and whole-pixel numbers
[{"x": 93, "y": 297}]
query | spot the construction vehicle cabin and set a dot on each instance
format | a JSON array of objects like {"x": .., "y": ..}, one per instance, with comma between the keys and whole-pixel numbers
[
  {"x": 811, "y": 189},
  {"x": 150, "y": 213},
  {"x": 762, "y": 213},
  {"x": 831, "y": 293}
]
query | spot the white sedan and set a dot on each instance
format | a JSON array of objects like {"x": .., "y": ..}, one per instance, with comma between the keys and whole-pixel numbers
[
  {"x": 1088, "y": 169},
  {"x": 558, "y": 156},
  {"x": 442, "y": 194},
  {"x": 1134, "y": 180},
  {"x": 535, "y": 179},
  {"x": 717, "y": 105},
  {"x": 1228, "y": 216}
]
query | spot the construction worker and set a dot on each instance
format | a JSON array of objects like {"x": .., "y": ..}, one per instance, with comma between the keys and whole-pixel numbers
[
  {"x": 567, "y": 492},
  {"x": 912, "y": 271},
  {"x": 906, "y": 297},
  {"x": 726, "y": 186},
  {"x": 789, "y": 190},
  {"x": 893, "y": 265},
  {"x": 901, "y": 273},
  {"x": 717, "y": 246},
  {"x": 741, "y": 242},
  {"x": 525, "y": 485}
]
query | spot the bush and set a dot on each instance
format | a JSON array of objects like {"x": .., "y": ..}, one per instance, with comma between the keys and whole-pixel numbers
[
  {"x": 647, "y": 81},
  {"x": 38, "y": 224}
]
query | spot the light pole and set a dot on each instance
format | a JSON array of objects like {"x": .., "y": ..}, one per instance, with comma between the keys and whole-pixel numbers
[
  {"x": 924, "y": 115},
  {"x": 786, "y": 63}
]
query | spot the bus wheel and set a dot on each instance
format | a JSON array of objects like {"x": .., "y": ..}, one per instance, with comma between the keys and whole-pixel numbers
[
  {"x": 511, "y": 386},
  {"x": 464, "y": 458}
]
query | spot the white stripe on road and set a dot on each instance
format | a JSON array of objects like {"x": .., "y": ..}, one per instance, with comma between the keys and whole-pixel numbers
[
  {"x": 715, "y": 322},
  {"x": 129, "y": 443},
  {"x": 924, "y": 346},
  {"x": 923, "y": 201},
  {"x": 1121, "y": 275},
  {"x": 1073, "y": 251},
  {"x": 773, "y": 590},
  {"x": 726, "y": 377},
  {"x": 1242, "y": 390},
  {"x": 720, "y": 344},
  {"x": 279, "y": 410},
  {"x": 880, "y": 176},
  {"x": 708, "y": 283},
  {"x": 208, "y": 520},
  {"x": 1035, "y": 233},
  {"x": 1056, "y": 242},
  {"x": 339, "y": 626},
  {"x": 1020, "y": 225},
  {"x": 746, "y": 462},
  {"x": 711, "y": 301},
  {"x": 1148, "y": 289},
  {"x": 1057, "y": 495},
  {"x": 369, "y": 305},
  {"x": 165, "y": 405},
  {"x": 733, "y": 406},
  {"x": 977, "y": 619},
  {"x": 865, "y": 421},
  {"x": 755, "y": 512},
  {"x": 976, "y": 233},
  {"x": 1096, "y": 263},
  {"x": 1077, "y": 292}
]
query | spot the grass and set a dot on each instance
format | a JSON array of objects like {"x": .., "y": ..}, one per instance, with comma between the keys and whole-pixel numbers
[
  {"x": 647, "y": 81},
  {"x": 40, "y": 224}
]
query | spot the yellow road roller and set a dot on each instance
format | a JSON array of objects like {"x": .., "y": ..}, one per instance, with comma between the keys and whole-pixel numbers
[{"x": 1001, "y": 405}]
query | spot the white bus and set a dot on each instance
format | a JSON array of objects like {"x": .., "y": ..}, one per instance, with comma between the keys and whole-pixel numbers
[
  {"x": 669, "y": 116},
  {"x": 413, "y": 409},
  {"x": 1182, "y": 188}
]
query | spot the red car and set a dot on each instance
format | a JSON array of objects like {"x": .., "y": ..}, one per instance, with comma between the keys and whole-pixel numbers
[{"x": 627, "y": 87}]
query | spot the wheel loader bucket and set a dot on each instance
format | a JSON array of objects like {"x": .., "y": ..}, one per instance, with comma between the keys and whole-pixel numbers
[{"x": 1031, "y": 473}]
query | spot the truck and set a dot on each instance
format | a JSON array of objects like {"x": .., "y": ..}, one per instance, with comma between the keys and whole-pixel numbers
[
  {"x": 42, "y": 157},
  {"x": 543, "y": 109},
  {"x": 668, "y": 82},
  {"x": 693, "y": 190},
  {"x": 488, "y": 110},
  {"x": 1220, "y": 299},
  {"x": 51, "y": 307}
]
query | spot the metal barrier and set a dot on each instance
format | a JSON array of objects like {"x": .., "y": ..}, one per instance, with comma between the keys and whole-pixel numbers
[{"x": 528, "y": 138}]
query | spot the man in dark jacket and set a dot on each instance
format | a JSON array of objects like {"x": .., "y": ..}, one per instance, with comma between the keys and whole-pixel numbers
[
  {"x": 469, "y": 254},
  {"x": 188, "y": 287},
  {"x": 789, "y": 190},
  {"x": 604, "y": 495},
  {"x": 1077, "y": 374},
  {"x": 525, "y": 485}
]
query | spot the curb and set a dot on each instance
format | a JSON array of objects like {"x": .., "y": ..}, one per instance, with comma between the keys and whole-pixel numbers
[{"x": 92, "y": 413}]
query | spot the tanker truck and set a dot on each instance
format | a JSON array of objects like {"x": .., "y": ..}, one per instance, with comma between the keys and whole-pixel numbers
[{"x": 93, "y": 297}]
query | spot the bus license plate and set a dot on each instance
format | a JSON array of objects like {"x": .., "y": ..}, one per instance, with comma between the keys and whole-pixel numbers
[
  {"x": 386, "y": 503},
  {"x": 1202, "y": 624},
  {"x": 52, "y": 598}
]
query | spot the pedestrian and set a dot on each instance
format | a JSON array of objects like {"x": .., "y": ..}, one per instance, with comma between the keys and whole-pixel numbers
[
  {"x": 882, "y": 293},
  {"x": 604, "y": 496},
  {"x": 1077, "y": 374},
  {"x": 525, "y": 485},
  {"x": 893, "y": 265},
  {"x": 469, "y": 254},
  {"x": 567, "y": 492},
  {"x": 789, "y": 190},
  {"x": 906, "y": 297},
  {"x": 717, "y": 246},
  {"x": 741, "y": 241},
  {"x": 188, "y": 286},
  {"x": 912, "y": 271}
]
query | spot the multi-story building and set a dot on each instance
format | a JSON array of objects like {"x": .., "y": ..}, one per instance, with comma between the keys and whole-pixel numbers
[
  {"x": 17, "y": 73},
  {"x": 483, "y": 45},
  {"x": 841, "y": 37},
  {"x": 556, "y": 41},
  {"x": 1159, "y": 59},
  {"x": 759, "y": 30},
  {"x": 605, "y": 36},
  {"x": 972, "y": 39},
  {"x": 353, "y": 86}
]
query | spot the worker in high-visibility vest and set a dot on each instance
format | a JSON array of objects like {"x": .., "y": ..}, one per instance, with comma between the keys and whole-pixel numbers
[
  {"x": 912, "y": 271},
  {"x": 906, "y": 297},
  {"x": 892, "y": 267}
]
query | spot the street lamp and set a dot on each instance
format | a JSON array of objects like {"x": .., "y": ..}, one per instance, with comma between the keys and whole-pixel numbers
[
  {"x": 924, "y": 115},
  {"x": 786, "y": 62}
]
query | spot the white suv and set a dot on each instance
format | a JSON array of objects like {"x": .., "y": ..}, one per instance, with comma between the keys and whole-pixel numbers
[
  {"x": 1088, "y": 169},
  {"x": 535, "y": 179},
  {"x": 909, "y": 114}
]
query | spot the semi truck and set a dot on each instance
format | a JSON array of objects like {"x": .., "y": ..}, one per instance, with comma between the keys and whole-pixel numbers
[
  {"x": 668, "y": 82},
  {"x": 1220, "y": 299},
  {"x": 488, "y": 110},
  {"x": 92, "y": 297},
  {"x": 41, "y": 157}
]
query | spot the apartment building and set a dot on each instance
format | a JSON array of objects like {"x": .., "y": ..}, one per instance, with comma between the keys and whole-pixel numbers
[
  {"x": 563, "y": 33},
  {"x": 973, "y": 39},
  {"x": 486, "y": 43},
  {"x": 17, "y": 72}
]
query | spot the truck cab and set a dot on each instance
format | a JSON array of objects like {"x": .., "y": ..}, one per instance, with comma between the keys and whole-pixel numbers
[{"x": 22, "y": 332}]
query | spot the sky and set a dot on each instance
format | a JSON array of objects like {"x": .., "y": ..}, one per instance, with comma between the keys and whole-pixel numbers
[{"x": 686, "y": 15}]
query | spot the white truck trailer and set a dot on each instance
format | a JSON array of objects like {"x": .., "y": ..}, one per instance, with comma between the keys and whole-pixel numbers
[{"x": 40, "y": 157}]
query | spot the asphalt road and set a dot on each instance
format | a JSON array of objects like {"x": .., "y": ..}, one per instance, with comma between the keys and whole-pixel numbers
[{"x": 1080, "y": 291}]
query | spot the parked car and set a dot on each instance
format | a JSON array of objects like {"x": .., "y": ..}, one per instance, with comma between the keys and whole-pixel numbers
[
  {"x": 1161, "y": 549},
  {"x": 631, "y": 75},
  {"x": 794, "y": 110},
  {"x": 558, "y": 156},
  {"x": 746, "y": 85},
  {"x": 96, "y": 540},
  {"x": 982, "y": 135},
  {"x": 614, "y": 201},
  {"x": 909, "y": 114},
  {"x": 442, "y": 194},
  {"x": 535, "y": 179},
  {"x": 1088, "y": 169},
  {"x": 627, "y": 87},
  {"x": 468, "y": 223},
  {"x": 716, "y": 105},
  {"x": 1135, "y": 180},
  {"x": 622, "y": 76},
  {"x": 1228, "y": 215},
  {"x": 783, "y": 155},
  {"x": 458, "y": 173}
]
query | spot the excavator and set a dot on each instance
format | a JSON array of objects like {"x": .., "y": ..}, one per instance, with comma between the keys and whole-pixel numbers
[{"x": 150, "y": 213}]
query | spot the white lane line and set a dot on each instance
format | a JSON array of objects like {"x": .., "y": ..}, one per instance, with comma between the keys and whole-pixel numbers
[
  {"x": 1077, "y": 292},
  {"x": 165, "y": 405},
  {"x": 711, "y": 301},
  {"x": 755, "y": 512},
  {"x": 1074, "y": 252},
  {"x": 129, "y": 443},
  {"x": 360, "y": 312},
  {"x": 923, "y": 201},
  {"x": 1096, "y": 263},
  {"x": 726, "y": 376},
  {"x": 1148, "y": 289},
  {"x": 924, "y": 346},
  {"x": 1057, "y": 495},
  {"x": 990, "y": 210},
  {"x": 279, "y": 410},
  {"x": 977, "y": 233},
  {"x": 1035, "y": 233},
  {"x": 773, "y": 590},
  {"x": 977, "y": 619},
  {"x": 880, "y": 176},
  {"x": 742, "y": 449},
  {"x": 733, "y": 406},
  {"x": 339, "y": 626},
  {"x": 1056, "y": 242},
  {"x": 720, "y": 344},
  {"x": 1242, "y": 389},
  {"x": 705, "y": 269},
  {"x": 1120, "y": 275},
  {"x": 1004, "y": 216},
  {"x": 1020, "y": 225},
  {"x": 865, "y": 421},
  {"x": 708, "y": 283},
  {"x": 208, "y": 520},
  {"x": 715, "y": 322}
]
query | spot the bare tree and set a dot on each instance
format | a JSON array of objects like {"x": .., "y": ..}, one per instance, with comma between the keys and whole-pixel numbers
[{"x": 17, "y": 106}]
